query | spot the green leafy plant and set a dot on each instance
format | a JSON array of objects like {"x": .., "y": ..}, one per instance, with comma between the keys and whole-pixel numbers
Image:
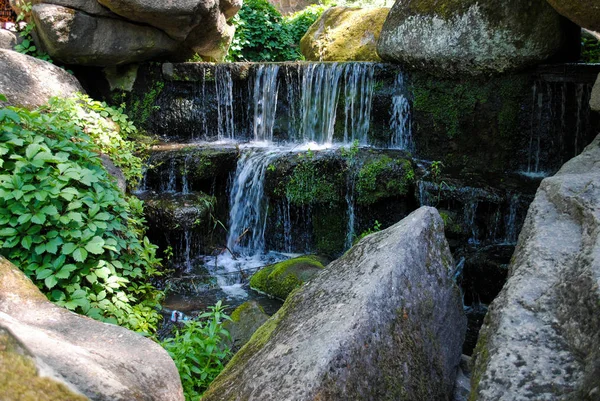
[
  {"x": 64, "y": 222},
  {"x": 263, "y": 34},
  {"x": 590, "y": 50},
  {"x": 199, "y": 351},
  {"x": 376, "y": 227},
  {"x": 25, "y": 28},
  {"x": 111, "y": 130}
]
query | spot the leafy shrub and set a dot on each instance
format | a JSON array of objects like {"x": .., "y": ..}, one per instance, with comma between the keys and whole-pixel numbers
[
  {"x": 590, "y": 50},
  {"x": 27, "y": 46},
  {"x": 199, "y": 352},
  {"x": 66, "y": 225},
  {"x": 263, "y": 34},
  {"x": 109, "y": 128}
]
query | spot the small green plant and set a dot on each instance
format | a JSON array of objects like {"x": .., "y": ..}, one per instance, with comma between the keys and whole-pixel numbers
[
  {"x": 376, "y": 227},
  {"x": 308, "y": 185},
  {"x": 271, "y": 167},
  {"x": 25, "y": 28},
  {"x": 436, "y": 170},
  {"x": 199, "y": 351}
]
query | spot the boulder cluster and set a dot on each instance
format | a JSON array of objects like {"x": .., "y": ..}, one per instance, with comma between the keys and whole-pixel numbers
[{"x": 115, "y": 32}]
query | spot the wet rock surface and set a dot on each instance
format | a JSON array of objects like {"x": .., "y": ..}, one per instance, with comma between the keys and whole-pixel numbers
[
  {"x": 99, "y": 360},
  {"x": 389, "y": 305},
  {"x": 540, "y": 339},
  {"x": 470, "y": 37}
]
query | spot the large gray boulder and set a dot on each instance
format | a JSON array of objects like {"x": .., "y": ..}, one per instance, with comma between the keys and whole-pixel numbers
[
  {"x": 115, "y": 32},
  {"x": 585, "y": 13},
  {"x": 75, "y": 37},
  {"x": 176, "y": 17},
  {"x": 29, "y": 82},
  {"x": 470, "y": 37},
  {"x": 99, "y": 360},
  {"x": 385, "y": 321},
  {"x": 541, "y": 336}
]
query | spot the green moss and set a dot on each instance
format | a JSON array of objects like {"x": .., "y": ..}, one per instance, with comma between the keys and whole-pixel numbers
[
  {"x": 450, "y": 223},
  {"x": 240, "y": 310},
  {"x": 345, "y": 34},
  {"x": 447, "y": 102},
  {"x": 280, "y": 279},
  {"x": 383, "y": 177},
  {"x": 308, "y": 184},
  {"x": 19, "y": 379}
]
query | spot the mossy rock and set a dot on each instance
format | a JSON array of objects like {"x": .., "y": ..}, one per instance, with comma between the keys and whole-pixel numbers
[
  {"x": 178, "y": 211},
  {"x": 280, "y": 279},
  {"x": 381, "y": 177},
  {"x": 473, "y": 37},
  {"x": 245, "y": 320},
  {"x": 19, "y": 378},
  {"x": 344, "y": 34}
]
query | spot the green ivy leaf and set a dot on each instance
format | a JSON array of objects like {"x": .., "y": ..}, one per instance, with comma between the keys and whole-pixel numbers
[
  {"x": 95, "y": 245},
  {"x": 80, "y": 255}
]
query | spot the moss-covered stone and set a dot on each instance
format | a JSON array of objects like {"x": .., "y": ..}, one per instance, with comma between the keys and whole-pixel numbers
[
  {"x": 19, "y": 378},
  {"x": 280, "y": 279},
  {"x": 382, "y": 177},
  {"x": 344, "y": 34},
  {"x": 245, "y": 320},
  {"x": 329, "y": 225}
]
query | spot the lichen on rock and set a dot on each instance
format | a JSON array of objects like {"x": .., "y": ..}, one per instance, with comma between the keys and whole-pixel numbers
[{"x": 344, "y": 34}]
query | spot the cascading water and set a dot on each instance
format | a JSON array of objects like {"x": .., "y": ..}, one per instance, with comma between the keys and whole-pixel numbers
[
  {"x": 320, "y": 94},
  {"x": 511, "y": 221},
  {"x": 358, "y": 97},
  {"x": 224, "y": 95},
  {"x": 400, "y": 122},
  {"x": 265, "y": 101},
  {"x": 247, "y": 213}
]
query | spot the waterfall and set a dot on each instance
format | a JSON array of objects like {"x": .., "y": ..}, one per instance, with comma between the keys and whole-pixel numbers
[
  {"x": 511, "y": 235},
  {"x": 169, "y": 184},
  {"x": 320, "y": 94},
  {"x": 400, "y": 121},
  {"x": 224, "y": 95},
  {"x": 358, "y": 97},
  {"x": 470, "y": 213},
  {"x": 185, "y": 185},
  {"x": 265, "y": 101},
  {"x": 247, "y": 215}
]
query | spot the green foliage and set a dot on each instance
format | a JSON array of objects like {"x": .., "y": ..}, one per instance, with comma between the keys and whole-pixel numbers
[
  {"x": 376, "y": 227},
  {"x": 27, "y": 46},
  {"x": 109, "y": 128},
  {"x": 309, "y": 185},
  {"x": 199, "y": 351},
  {"x": 141, "y": 109},
  {"x": 590, "y": 50},
  {"x": 263, "y": 34},
  {"x": 448, "y": 102},
  {"x": 436, "y": 170},
  {"x": 65, "y": 223},
  {"x": 383, "y": 177}
]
